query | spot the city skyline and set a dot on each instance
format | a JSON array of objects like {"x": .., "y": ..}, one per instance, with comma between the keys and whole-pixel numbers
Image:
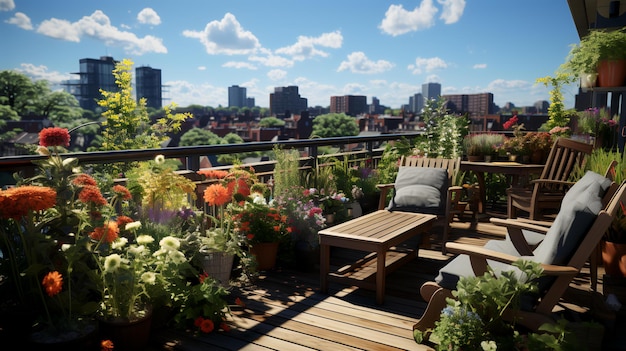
[{"x": 385, "y": 50}]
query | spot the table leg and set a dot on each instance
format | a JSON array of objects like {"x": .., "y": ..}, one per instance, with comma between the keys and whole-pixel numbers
[
  {"x": 480, "y": 177},
  {"x": 381, "y": 273},
  {"x": 324, "y": 267}
]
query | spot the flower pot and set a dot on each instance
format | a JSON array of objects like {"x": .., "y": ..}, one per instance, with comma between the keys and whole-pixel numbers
[
  {"x": 218, "y": 266},
  {"x": 614, "y": 258},
  {"x": 611, "y": 73},
  {"x": 588, "y": 80},
  {"x": 127, "y": 335},
  {"x": 265, "y": 255}
]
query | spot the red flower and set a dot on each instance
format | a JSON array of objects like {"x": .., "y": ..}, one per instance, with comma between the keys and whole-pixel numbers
[
  {"x": 122, "y": 221},
  {"x": 203, "y": 276},
  {"x": 52, "y": 283},
  {"x": 207, "y": 326},
  {"x": 225, "y": 327},
  {"x": 511, "y": 122},
  {"x": 198, "y": 321},
  {"x": 54, "y": 136},
  {"x": 106, "y": 345}
]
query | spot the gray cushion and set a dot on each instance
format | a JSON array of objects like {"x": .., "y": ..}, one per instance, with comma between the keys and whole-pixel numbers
[
  {"x": 419, "y": 188},
  {"x": 579, "y": 209}
]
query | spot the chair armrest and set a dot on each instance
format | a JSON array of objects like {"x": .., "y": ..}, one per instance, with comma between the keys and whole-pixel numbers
[
  {"x": 384, "y": 190},
  {"x": 522, "y": 224},
  {"x": 535, "y": 222},
  {"x": 479, "y": 254},
  {"x": 515, "y": 229},
  {"x": 552, "y": 182}
]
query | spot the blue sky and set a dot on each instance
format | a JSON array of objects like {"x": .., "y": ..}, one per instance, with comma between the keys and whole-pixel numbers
[{"x": 386, "y": 49}]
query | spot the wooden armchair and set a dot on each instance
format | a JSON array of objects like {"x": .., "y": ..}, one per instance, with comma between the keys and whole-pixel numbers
[
  {"x": 562, "y": 250},
  {"x": 425, "y": 185},
  {"x": 546, "y": 192}
]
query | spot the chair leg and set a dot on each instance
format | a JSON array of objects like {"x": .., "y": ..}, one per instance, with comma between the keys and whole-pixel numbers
[
  {"x": 444, "y": 239},
  {"x": 432, "y": 313}
]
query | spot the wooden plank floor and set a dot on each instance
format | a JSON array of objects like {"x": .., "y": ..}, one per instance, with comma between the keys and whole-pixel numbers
[{"x": 284, "y": 309}]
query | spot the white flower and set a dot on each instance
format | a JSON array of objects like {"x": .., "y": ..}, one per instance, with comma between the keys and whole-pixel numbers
[
  {"x": 169, "y": 243},
  {"x": 112, "y": 263},
  {"x": 177, "y": 257},
  {"x": 258, "y": 199},
  {"x": 144, "y": 239},
  {"x": 148, "y": 278},
  {"x": 133, "y": 225},
  {"x": 119, "y": 243},
  {"x": 137, "y": 250},
  {"x": 159, "y": 159}
]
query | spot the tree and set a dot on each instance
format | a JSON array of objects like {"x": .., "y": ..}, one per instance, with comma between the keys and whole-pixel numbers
[
  {"x": 17, "y": 91},
  {"x": 334, "y": 125},
  {"x": 269, "y": 122},
  {"x": 127, "y": 125},
  {"x": 558, "y": 116},
  {"x": 199, "y": 136}
]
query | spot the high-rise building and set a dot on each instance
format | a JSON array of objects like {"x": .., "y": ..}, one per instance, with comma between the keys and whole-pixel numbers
[
  {"x": 94, "y": 74},
  {"x": 351, "y": 105},
  {"x": 285, "y": 101},
  {"x": 237, "y": 96},
  {"x": 475, "y": 105},
  {"x": 148, "y": 86},
  {"x": 431, "y": 91},
  {"x": 416, "y": 103}
]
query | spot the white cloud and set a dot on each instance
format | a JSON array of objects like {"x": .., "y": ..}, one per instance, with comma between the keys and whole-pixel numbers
[
  {"x": 98, "y": 26},
  {"x": 276, "y": 74},
  {"x": 480, "y": 66},
  {"x": 225, "y": 37},
  {"x": 20, "y": 20},
  {"x": 432, "y": 78},
  {"x": 41, "y": 72},
  {"x": 426, "y": 65},
  {"x": 306, "y": 47},
  {"x": 266, "y": 58},
  {"x": 399, "y": 21},
  {"x": 7, "y": 5},
  {"x": 184, "y": 93},
  {"x": 148, "y": 16},
  {"x": 201, "y": 68},
  {"x": 452, "y": 10},
  {"x": 359, "y": 63},
  {"x": 239, "y": 64}
]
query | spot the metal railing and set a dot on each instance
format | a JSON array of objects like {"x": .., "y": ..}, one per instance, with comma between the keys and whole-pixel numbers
[{"x": 190, "y": 156}]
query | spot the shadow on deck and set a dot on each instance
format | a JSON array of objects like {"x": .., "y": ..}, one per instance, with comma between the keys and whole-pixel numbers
[{"x": 284, "y": 309}]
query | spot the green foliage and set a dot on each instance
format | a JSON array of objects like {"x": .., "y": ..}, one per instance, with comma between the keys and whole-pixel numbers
[
  {"x": 272, "y": 121},
  {"x": 483, "y": 143},
  {"x": 599, "y": 160},
  {"x": 334, "y": 125},
  {"x": 286, "y": 172}
]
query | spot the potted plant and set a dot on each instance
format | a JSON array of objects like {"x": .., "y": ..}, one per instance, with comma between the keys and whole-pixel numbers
[
  {"x": 603, "y": 52},
  {"x": 539, "y": 145}
]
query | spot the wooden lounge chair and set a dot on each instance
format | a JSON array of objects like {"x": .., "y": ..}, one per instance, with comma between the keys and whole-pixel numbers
[
  {"x": 425, "y": 185},
  {"x": 562, "y": 251},
  {"x": 546, "y": 192}
]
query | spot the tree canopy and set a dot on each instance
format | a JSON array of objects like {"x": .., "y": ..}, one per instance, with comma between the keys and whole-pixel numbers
[{"x": 334, "y": 125}]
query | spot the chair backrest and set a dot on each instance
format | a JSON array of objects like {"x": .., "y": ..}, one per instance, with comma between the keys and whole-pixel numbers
[
  {"x": 451, "y": 164},
  {"x": 565, "y": 156}
]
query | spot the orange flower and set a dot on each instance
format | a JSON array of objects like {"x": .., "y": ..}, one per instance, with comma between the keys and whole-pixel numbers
[
  {"x": 91, "y": 194},
  {"x": 213, "y": 173},
  {"x": 207, "y": 326},
  {"x": 54, "y": 136},
  {"x": 203, "y": 276},
  {"x": 217, "y": 195},
  {"x": 108, "y": 233},
  {"x": 84, "y": 179},
  {"x": 17, "y": 202},
  {"x": 122, "y": 192},
  {"x": 106, "y": 345},
  {"x": 52, "y": 283},
  {"x": 239, "y": 186}
]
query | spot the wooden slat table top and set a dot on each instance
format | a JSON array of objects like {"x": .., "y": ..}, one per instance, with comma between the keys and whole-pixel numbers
[{"x": 377, "y": 227}]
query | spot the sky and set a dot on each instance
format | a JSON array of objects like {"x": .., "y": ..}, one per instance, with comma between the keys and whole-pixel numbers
[{"x": 376, "y": 48}]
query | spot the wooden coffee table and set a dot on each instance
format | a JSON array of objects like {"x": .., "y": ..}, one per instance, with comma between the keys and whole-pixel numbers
[{"x": 378, "y": 232}]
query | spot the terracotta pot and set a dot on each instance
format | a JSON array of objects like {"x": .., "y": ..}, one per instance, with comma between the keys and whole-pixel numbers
[
  {"x": 265, "y": 255},
  {"x": 611, "y": 73},
  {"x": 614, "y": 258}
]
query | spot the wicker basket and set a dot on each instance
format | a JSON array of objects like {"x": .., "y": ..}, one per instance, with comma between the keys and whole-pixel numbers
[{"x": 218, "y": 266}]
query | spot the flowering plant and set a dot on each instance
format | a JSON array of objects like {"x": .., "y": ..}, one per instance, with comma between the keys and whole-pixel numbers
[
  {"x": 304, "y": 217},
  {"x": 260, "y": 222}
]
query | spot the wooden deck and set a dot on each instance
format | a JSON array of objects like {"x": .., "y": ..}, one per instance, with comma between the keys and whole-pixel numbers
[{"x": 284, "y": 309}]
